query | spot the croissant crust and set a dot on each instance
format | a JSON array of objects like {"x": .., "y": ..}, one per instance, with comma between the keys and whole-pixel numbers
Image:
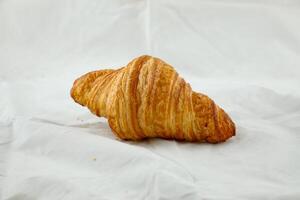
[{"x": 147, "y": 99}]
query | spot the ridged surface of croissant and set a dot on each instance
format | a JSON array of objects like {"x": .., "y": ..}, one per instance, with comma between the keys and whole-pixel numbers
[{"x": 147, "y": 99}]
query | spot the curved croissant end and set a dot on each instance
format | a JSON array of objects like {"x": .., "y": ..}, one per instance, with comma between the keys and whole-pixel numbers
[
  {"x": 148, "y": 98},
  {"x": 83, "y": 85}
]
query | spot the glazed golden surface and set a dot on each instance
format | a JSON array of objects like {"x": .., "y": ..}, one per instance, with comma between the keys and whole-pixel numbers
[{"x": 147, "y": 99}]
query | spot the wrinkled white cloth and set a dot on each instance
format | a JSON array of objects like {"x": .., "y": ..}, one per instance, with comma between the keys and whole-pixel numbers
[{"x": 243, "y": 54}]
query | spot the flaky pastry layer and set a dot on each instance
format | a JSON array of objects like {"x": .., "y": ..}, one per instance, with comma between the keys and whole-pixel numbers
[{"x": 147, "y": 99}]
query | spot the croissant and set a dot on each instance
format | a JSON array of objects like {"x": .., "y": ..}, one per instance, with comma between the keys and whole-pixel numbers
[{"x": 147, "y": 99}]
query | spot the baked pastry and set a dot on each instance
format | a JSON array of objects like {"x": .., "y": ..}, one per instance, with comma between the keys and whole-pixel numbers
[{"x": 147, "y": 99}]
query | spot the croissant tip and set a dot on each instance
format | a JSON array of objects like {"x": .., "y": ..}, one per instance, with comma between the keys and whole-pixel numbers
[
  {"x": 72, "y": 90},
  {"x": 76, "y": 91},
  {"x": 225, "y": 128}
]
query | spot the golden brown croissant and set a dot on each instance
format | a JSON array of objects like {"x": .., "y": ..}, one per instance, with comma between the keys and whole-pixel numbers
[{"x": 147, "y": 99}]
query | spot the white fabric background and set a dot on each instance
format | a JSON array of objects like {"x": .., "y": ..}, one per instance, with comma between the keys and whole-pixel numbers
[{"x": 244, "y": 54}]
